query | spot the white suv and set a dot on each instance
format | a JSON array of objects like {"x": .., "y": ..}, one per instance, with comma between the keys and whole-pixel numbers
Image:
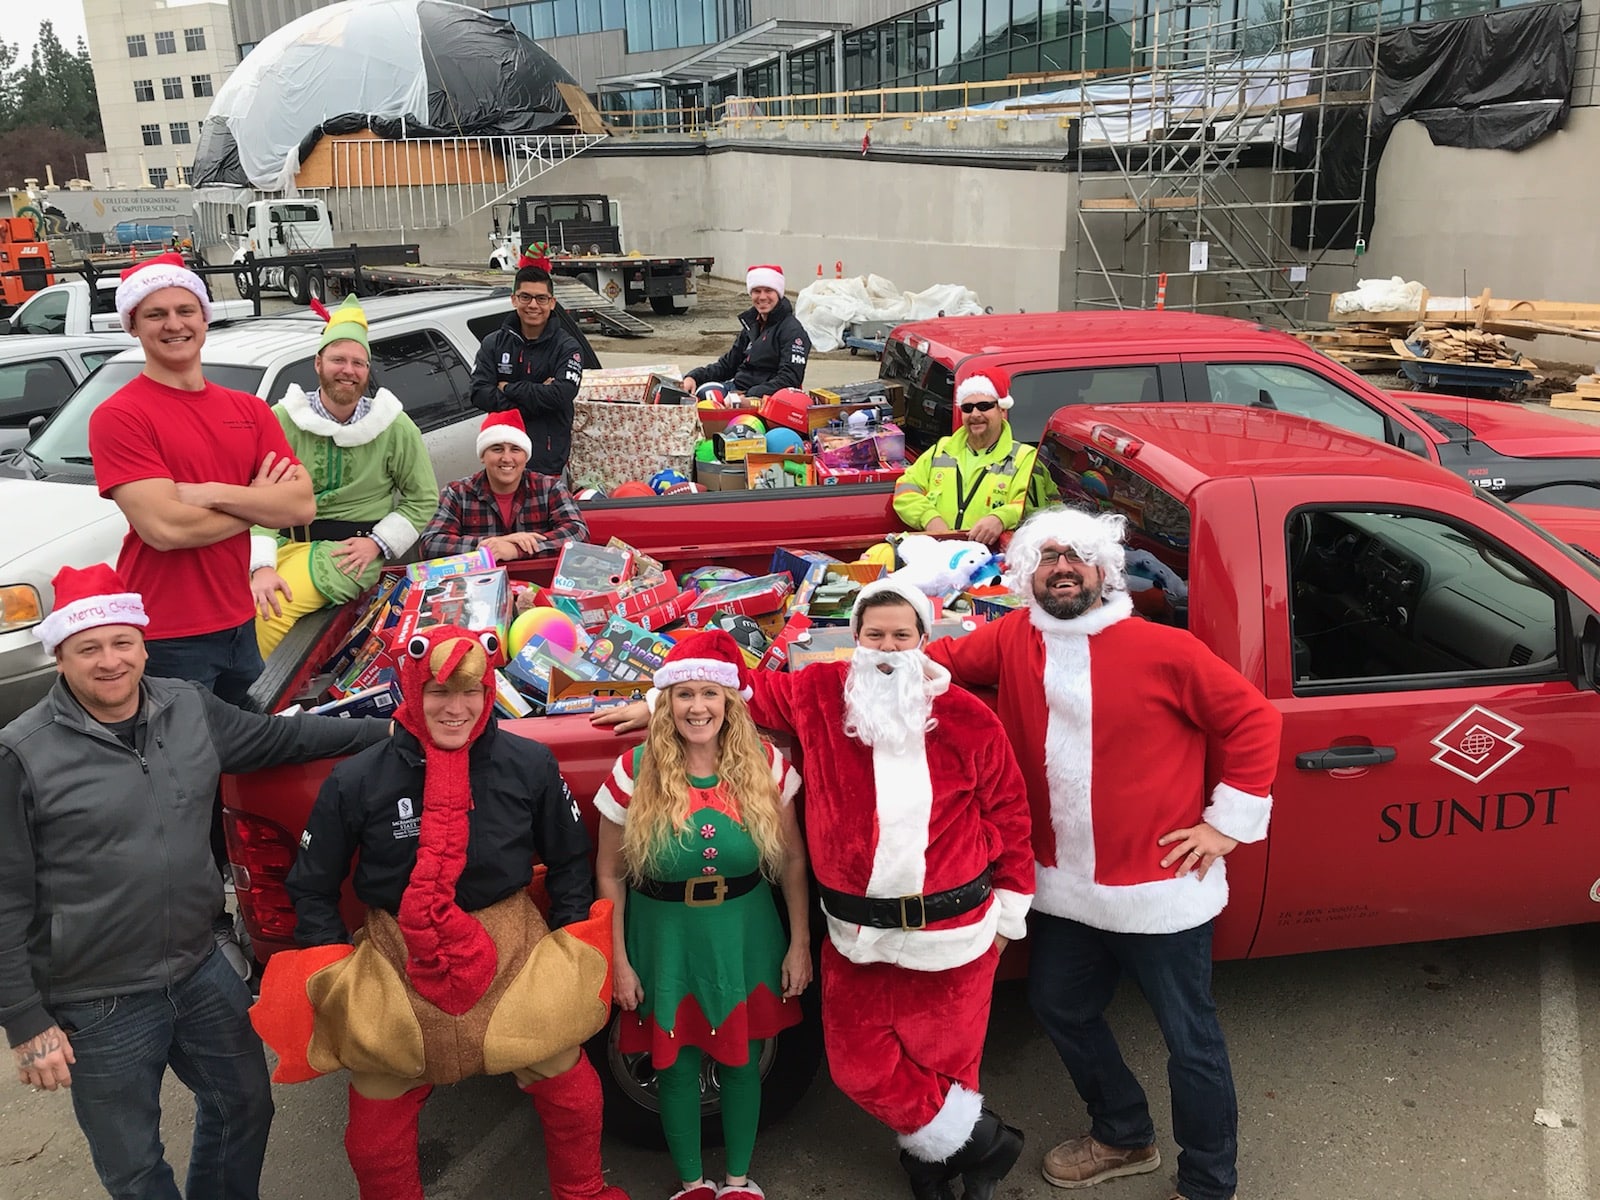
[{"x": 423, "y": 345}]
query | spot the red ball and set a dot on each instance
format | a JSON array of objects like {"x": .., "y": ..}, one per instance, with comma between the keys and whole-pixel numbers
[{"x": 634, "y": 487}]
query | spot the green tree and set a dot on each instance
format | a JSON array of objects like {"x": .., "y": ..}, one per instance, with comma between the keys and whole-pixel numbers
[{"x": 57, "y": 88}]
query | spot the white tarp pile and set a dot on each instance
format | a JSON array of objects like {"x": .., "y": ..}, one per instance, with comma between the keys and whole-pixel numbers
[
  {"x": 1396, "y": 295},
  {"x": 828, "y": 305}
]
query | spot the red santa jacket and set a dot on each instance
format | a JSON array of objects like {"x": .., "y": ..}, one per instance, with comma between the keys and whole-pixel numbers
[
  {"x": 885, "y": 824},
  {"x": 1118, "y": 726}
]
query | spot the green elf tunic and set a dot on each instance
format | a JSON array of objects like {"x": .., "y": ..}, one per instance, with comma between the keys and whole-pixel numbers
[
  {"x": 712, "y": 974},
  {"x": 375, "y": 470}
]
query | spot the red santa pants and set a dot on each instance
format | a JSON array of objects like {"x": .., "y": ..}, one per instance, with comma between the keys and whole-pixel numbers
[{"x": 898, "y": 1040}]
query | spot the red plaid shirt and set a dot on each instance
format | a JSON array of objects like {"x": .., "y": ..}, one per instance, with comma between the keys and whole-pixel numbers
[{"x": 468, "y": 513}]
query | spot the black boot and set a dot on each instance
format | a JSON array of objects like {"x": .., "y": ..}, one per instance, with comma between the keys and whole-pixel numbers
[
  {"x": 988, "y": 1156},
  {"x": 929, "y": 1180}
]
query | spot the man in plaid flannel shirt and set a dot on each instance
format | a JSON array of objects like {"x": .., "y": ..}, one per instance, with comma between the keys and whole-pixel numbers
[{"x": 516, "y": 512}]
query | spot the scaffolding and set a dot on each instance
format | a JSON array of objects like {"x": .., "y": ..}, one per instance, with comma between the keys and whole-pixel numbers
[{"x": 1192, "y": 188}]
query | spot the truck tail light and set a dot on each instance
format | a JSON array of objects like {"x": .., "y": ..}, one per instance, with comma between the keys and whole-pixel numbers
[
  {"x": 920, "y": 345},
  {"x": 1109, "y": 437},
  {"x": 261, "y": 853}
]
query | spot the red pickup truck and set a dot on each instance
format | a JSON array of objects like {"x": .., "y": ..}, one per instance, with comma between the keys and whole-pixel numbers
[
  {"x": 1433, "y": 652},
  {"x": 1155, "y": 357}
]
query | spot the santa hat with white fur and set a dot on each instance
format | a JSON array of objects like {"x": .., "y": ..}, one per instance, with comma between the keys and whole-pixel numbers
[
  {"x": 712, "y": 657},
  {"x": 1096, "y": 538},
  {"x": 991, "y": 383},
  {"x": 163, "y": 271},
  {"x": 504, "y": 427},
  {"x": 767, "y": 276},
  {"x": 88, "y": 599},
  {"x": 901, "y": 589}
]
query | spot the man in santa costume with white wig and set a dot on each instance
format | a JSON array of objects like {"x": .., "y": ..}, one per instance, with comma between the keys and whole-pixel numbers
[
  {"x": 1147, "y": 760},
  {"x": 916, "y": 823}
]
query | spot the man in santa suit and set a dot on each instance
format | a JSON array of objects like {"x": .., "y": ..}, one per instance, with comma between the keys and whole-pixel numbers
[
  {"x": 1147, "y": 760},
  {"x": 917, "y": 827}
]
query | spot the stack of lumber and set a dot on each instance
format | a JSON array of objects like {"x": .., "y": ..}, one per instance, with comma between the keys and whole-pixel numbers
[
  {"x": 1525, "y": 319},
  {"x": 1585, "y": 397},
  {"x": 1358, "y": 348},
  {"x": 1469, "y": 346}
]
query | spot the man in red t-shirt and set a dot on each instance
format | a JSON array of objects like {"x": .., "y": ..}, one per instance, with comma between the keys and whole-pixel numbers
[{"x": 193, "y": 466}]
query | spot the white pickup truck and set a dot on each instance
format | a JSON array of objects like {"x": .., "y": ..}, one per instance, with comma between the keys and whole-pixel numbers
[{"x": 69, "y": 308}]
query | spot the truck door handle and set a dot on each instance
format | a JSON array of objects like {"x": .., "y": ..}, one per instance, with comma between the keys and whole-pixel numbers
[{"x": 1336, "y": 757}]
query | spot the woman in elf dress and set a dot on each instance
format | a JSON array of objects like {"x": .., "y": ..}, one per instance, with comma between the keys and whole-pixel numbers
[{"x": 697, "y": 823}]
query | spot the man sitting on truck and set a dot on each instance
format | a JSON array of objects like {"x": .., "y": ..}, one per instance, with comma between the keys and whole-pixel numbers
[
  {"x": 514, "y": 511},
  {"x": 772, "y": 347},
  {"x": 978, "y": 479},
  {"x": 374, "y": 482},
  {"x": 532, "y": 365}
]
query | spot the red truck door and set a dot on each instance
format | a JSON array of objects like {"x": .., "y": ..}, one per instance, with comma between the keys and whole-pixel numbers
[{"x": 1438, "y": 747}]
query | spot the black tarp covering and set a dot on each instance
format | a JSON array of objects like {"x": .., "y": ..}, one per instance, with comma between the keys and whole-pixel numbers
[{"x": 1499, "y": 80}]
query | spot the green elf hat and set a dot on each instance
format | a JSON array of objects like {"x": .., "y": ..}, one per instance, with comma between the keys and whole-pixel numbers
[{"x": 348, "y": 322}]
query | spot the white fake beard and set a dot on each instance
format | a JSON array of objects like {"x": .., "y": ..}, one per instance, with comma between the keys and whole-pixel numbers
[{"x": 888, "y": 709}]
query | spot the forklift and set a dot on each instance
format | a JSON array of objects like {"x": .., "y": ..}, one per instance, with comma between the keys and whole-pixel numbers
[{"x": 24, "y": 262}]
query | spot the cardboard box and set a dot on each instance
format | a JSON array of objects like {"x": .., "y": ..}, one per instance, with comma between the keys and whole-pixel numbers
[
  {"x": 884, "y": 393},
  {"x": 995, "y": 607},
  {"x": 569, "y": 695},
  {"x": 773, "y": 471},
  {"x": 667, "y": 389},
  {"x": 623, "y": 385},
  {"x": 378, "y": 701},
  {"x": 734, "y": 449},
  {"x": 626, "y": 651},
  {"x": 509, "y": 702},
  {"x": 721, "y": 477},
  {"x": 587, "y": 569},
  {"x": 476, "y": 603},
  {"x": 662, "y": 615},
  {"x": 797, "y": 564},
  {"x": 530, "y": 670},
  {"x": 456, "y": 564},
  {"x": 747, "y": 597},
  {"x": 776, "y": 657},
  {"x": 845, "y": 476},
  {"x": 644, "y": 595}
]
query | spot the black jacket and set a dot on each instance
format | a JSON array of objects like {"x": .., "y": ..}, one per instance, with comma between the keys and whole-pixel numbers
[
  {"x": 766, "y": 355},
  {"x": 506, "y": 356},
  {"x": 521, "y": 809}
]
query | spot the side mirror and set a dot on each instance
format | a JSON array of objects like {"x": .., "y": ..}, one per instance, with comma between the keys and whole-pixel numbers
[
  {"x": 233, "y": 227},
  {"x": 34, "y": 425}
]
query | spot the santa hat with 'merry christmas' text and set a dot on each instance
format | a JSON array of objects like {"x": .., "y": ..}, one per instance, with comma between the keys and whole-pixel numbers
[
  {"x": 766, "y": 275},
  {"x": 712, "y": 657},
  {"x": 88, "y": 599},
  {"x": 163, "y": 271},
  {"x": 991, "y": 383},
  {"x": 504, "y": 427}
]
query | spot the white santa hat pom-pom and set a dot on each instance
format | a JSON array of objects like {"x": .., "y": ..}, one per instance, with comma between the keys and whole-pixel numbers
[{"x": 1096, "y": 537}]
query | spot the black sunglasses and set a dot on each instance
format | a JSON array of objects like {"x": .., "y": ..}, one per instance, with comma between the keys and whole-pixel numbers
[{"x": 980, "y": 406}]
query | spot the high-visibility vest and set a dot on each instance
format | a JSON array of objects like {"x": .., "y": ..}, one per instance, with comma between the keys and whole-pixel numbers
[{"x": 962, "y": 486}]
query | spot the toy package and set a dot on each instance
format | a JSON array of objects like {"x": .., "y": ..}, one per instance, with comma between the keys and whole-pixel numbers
[
  {"x": 748, "y": 597},
  {"x": 480, "y": 559},
  {"x": 776, "y": 657},
  {"x": 369, "y": 702},
  {"x": 530, "y": 669},
  {"x": 595, "y": 569},
  {"x": 626, "y": 652},
  {"x": 476, "y": 603},
  {"x": 797, "y": 564}
]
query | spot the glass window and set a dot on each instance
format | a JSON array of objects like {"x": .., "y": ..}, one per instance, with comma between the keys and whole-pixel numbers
[
  {"x": 172, "y": 87},
  {"x": 543, "y": 17},
  {"x": 1294, "y": 390},
  {"x": 969, "y": 40},
  {"x": 691, "y": 20},
  {"x": 166, "y": 43},
  {"x": 1054, "y": 19},
  {"x": 245, "y": 48},
  {"x": 566, "y": 14},
  {"x": 1378, "y": 594},
  {"x": 997, "y": 24},
  {"x": 93, "y": 358},
  {"x": 158, "y": 176},
  {"x": 180, "y": 133},
  {"x": 947, "y": 37},
  {"x": 45, "y": 313},
  {"x": 588, "y": 16},
  {"x": 611, "y": 14},
  {"x": 418, "y": 368},
  {"x": 1039, "y": 393},
  {"x": 31, "y": 389},
  {"x": 522, "y": 20},
  {"x": 194, "y": 39},
  {"x": 143, "y": 90},
  {"x": 636, "y": 21},
  {"x": 664, "y": 23},
  {"x": 151, "y": 134},
  {"x": 201, "y": 85},
  {"x": 1024, "y": 22},
  {"x": 136, "y": 46}
]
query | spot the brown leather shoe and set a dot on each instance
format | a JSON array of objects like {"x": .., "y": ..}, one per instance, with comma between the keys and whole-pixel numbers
[{"x": 1081, "y": 1162}]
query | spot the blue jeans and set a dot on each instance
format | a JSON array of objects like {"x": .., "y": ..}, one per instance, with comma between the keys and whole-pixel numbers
[
  {"x": 225, "y": 663},
  {"x": 1072, "y": 976},
  {"x": 124, "y": 1045}
]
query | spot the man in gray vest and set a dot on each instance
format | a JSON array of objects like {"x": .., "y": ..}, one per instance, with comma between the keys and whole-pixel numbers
[{"x": 109, "y": 970}]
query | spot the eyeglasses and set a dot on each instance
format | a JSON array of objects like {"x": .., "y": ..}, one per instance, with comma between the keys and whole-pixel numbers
[
  {"x": 1049, "y": 558},
  {"x": 980, "y": 406},
  {"x": 530, "y": 298}
]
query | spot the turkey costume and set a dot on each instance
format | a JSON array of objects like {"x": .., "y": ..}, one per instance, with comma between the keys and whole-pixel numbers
[
  {"x": 923, "y": 857},
  {"x": 431, "y": 992}
]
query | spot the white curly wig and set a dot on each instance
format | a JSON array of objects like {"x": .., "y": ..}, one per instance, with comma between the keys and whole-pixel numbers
[{"x": 1096, "y": 537}]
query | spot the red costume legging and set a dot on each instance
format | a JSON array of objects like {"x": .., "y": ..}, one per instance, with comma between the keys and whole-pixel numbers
[{"x": 898, "y": 1039}]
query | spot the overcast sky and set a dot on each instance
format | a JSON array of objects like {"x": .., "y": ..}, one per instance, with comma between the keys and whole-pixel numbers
[{"x": 66, "y": 15}]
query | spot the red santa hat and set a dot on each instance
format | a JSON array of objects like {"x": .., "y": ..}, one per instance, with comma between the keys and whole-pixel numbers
[
  {"x": 88, "y": 599},
  {"x": 504, "y": 427},
  {"x": 1097, "y": 538},
  {"x": 163, "y": 271},
  {"x": 991, "y": 382},
  {"x": 712, "y": 656},
  {"x": 766, "y": 275},
  {"x": 900, "y": 589}
]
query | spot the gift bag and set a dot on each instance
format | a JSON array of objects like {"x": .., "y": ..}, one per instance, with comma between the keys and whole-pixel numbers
[{"x": 613, "y": 443}]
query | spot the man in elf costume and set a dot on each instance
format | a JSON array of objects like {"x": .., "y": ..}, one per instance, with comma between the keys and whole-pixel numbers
[
  {"x": 455, "y": 972},
  {"x": 374, "y": 483},
  {"x": 1147, "y": 759}
]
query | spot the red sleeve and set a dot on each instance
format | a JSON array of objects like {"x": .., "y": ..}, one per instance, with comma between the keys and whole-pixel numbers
[
  {"x": 974, "y": 660},
  {"x": 773, "y": 701},
  {"x": 1006, "y": 816},
  {"x": 1242, "y": 729},
  {"x": 122, "y": 449}
]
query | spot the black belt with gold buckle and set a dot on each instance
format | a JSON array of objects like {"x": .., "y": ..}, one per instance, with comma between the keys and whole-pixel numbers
[
  {"x": 703, "y": 891},
  {"x": 326, "y": 529},
  {"x": 907, "y": 912}
]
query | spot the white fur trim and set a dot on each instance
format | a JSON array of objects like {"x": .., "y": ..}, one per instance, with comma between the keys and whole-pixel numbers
[
  {"x": 1103, "y": 616},
  {"x": 765, "y": 276},
  {"x": 1160, "y": 906},
  {"x": 917, "y": 949},
  {"x": 263, "y": 551},
  {"x": 92, "y": 612},
  {"x": 147, "y": 280},
  {"x": 494, "y": 435},
  {"x": 690, "y": 670},
  {"x": 606, "y": 805},
  {"x": 748, "y": 1188},
  {"x": 397, "y": 533},
  {"x": 1069, "y": 751},
  {"x": 902, "y": 786},
  {"x": 950, "y": 1129},
  {"x": 978, "y": 386},
  {"x": 1238, "y": 814},
  {"x": 385, "y": 409},
  {"x": 1012, "y": 908},
  {"x": 651, "y": 699},
  {"x": 903, "y": 588}
]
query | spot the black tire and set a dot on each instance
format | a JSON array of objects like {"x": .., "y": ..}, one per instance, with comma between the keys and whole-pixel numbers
[
  {"x": 295, "y": 285},
  {"x": 662, "y": 306},
  {"x": 789, "y": 1064},
  {"x": 316, "y": 285},
  {"x": 241, "y": 280},
  {"x": 333, "y": 287}
]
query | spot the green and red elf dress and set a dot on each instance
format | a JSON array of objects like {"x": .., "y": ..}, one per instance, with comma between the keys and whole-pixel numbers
[{"x": 712, "y": 972}]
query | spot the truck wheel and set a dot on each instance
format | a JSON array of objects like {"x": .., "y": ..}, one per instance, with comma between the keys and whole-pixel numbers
[
  {"x": 294, "y": 284},
  {"x": 241, "y": 280},
  {"x": 316, "y": 286},
  {"x": 788, "y": 1064},
  {"x": 663, "y": 306}
]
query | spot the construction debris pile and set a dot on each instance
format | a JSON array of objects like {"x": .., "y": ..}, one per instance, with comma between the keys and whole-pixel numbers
[
  {"x": 1584, "y": 397},
  {"x": 1461, "y": 346}
]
